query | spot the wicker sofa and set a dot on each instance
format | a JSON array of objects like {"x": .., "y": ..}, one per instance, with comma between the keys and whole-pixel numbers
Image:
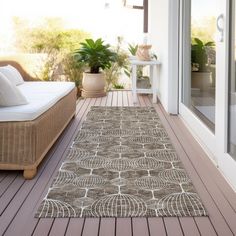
[{"x": 23, "y": 144}]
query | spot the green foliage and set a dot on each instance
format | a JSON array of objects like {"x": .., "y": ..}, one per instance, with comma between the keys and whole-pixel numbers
[
  {"x": 55, "y": 43},
  {"x": 48, "y": 36},
  {"x": 133, "y": 49},
  {"x": 121, "y": 64},
  {"x": 95, "y": 54},
  {"x": 46, "y": 66},
  {"x": 44, "y": 40},
  {"x": 73, "y": 69},
  {"x": 118, "y": 86},
  {"x": 199, "y": 55}
]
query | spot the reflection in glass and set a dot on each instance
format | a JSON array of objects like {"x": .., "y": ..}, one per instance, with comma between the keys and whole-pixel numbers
[
  {"x": 232, "y": 92},
  {"x": 199, "y": 82}
]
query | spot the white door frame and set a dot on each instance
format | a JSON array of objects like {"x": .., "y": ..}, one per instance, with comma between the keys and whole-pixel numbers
[
  {"x": 173, "y": 55},
  {"x": 215, "y": 144},
  {"x": 226, "y": 163}
]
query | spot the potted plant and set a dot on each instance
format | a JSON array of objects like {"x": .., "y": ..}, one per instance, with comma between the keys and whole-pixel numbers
[
  {"x": 120, "y": 65},
  {"x": 201, "y": 74},
  {"x": 143, "y": 81},
  {"x": 97, "y": 56},
  {"x": 73, "y": 70}
]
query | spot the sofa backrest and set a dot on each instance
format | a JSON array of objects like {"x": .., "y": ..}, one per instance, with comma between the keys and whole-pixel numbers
[{"x": 24, "y": 73}]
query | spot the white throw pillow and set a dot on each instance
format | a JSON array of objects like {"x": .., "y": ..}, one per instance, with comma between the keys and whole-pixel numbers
[
  {"x": 10, "y": 95},
  {"x": 12, "y": 74}
]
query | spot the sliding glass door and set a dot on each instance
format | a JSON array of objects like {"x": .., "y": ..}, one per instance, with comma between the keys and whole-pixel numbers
[
  {"x": 200, "y": 65},
  {"x": 232, "y": 85},
  {"x": 208, "y": 78}
]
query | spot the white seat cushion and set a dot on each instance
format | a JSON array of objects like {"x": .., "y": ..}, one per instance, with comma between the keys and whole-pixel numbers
[
  {"x": 10, "y": 95},
  {"x": 41, "y": 97},
  {"x": 12, "y": 74}
]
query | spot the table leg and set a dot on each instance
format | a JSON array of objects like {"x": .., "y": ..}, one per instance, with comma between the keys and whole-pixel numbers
[
  {"x": 154, "y": 84},
  {"x": 134, "y": 83}
]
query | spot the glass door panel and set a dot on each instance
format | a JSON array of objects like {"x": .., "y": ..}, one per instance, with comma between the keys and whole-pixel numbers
[
  {"x": 232, "y": 88},
  {"x": 208, "y": 78},
  {"x": 200, "y": 63}
]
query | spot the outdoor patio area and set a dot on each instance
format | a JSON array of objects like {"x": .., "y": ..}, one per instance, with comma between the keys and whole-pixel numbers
[{"x": 19, "y": 198}]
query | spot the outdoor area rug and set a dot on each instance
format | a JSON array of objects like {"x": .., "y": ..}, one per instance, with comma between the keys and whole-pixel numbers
[{"x": 121, "y": 164}]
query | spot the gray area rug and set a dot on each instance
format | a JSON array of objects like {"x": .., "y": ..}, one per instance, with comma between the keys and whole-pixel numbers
[{"x": 121, "y": 164}]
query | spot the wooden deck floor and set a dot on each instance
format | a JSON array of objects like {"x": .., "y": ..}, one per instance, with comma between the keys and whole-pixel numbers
[{"x": 19, "y": 199}]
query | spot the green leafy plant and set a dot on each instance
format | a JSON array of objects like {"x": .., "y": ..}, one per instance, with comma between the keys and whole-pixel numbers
[
  {"x": 118, "y": 86},
  {"x": 53, "y": 44},
  {"x": 47, "y": 65},
  {"x": 45, "y": 36},
  {"x": 133, "y": 49},
  {"x": 95, "y": 54},
  {"x": 199, "y": 54},
  {"x": 73, "y": 70},
  {"x": 119, "y": 66}
]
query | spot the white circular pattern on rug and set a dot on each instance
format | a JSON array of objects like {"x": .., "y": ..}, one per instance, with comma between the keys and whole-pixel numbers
[
  {"x": 147, "y": 163},
  {"x": 121, "y": 164},
  {"x": 89, "y": 181},
  {"x": 64, "y": 177},
  {"x": 94, "y": 162},
  {"x": 175, "y": 176},
  {"x": 144, "y": 139},
  {"x": 122, "y": 205},
  {"x": 150, "y": 183},
  {"x": 120, "y": 149},
  {"x": 180, "y": 204},
  {"x": 75, "y": 153},
  {"x": 119, "y": 132},
  {"x": 163, "y": 155},
  {"x": 118, "y": 165}
]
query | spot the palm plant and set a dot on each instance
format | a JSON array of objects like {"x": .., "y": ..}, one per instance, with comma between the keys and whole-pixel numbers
[
  {"x": 95, "y": 54},
  {"x": 199, "y": 54}
]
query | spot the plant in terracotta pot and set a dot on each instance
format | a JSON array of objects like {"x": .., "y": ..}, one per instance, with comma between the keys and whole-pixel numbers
[
  {"x": 201, "y": 74},
  {"x": 97, "y": 56}
]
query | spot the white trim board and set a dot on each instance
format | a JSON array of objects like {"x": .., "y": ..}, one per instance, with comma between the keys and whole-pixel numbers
[{"x": 209, "y": 113}]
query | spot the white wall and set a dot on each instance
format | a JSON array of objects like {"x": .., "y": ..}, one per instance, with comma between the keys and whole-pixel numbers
[{"x": 163, "y": 35}]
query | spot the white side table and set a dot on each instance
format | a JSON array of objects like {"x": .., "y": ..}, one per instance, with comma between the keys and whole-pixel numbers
[{"x": 153, "y": 90}]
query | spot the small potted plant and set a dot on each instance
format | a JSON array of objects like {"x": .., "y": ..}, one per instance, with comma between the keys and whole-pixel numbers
[
  {"x": 97, "y": 56},
  {"x": 143, "y": 81},
  {"x": 201, "y": 74}
]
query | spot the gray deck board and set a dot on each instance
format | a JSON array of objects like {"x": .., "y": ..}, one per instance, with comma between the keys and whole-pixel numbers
[
  {"x": 107, "y": 227},
  {"x": 19, "y": 199},
  {"x": 156, "y": 226},
  {"x": 189, "y": 226},
  {"x": 59, "y": 227},
  {"x": 10, "y": 193},
  {"x": 75, "y": 227},
  {"x": 91, "y": 227},
  {"x": 123, "y": 227},
  {"x": 140, "y": 227},
  {"x": 43, "y": 227},
  {"x": 7, "y": 182},
  {"x": 3, "y": 175},
  {"x": 173, "y": 227}
]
